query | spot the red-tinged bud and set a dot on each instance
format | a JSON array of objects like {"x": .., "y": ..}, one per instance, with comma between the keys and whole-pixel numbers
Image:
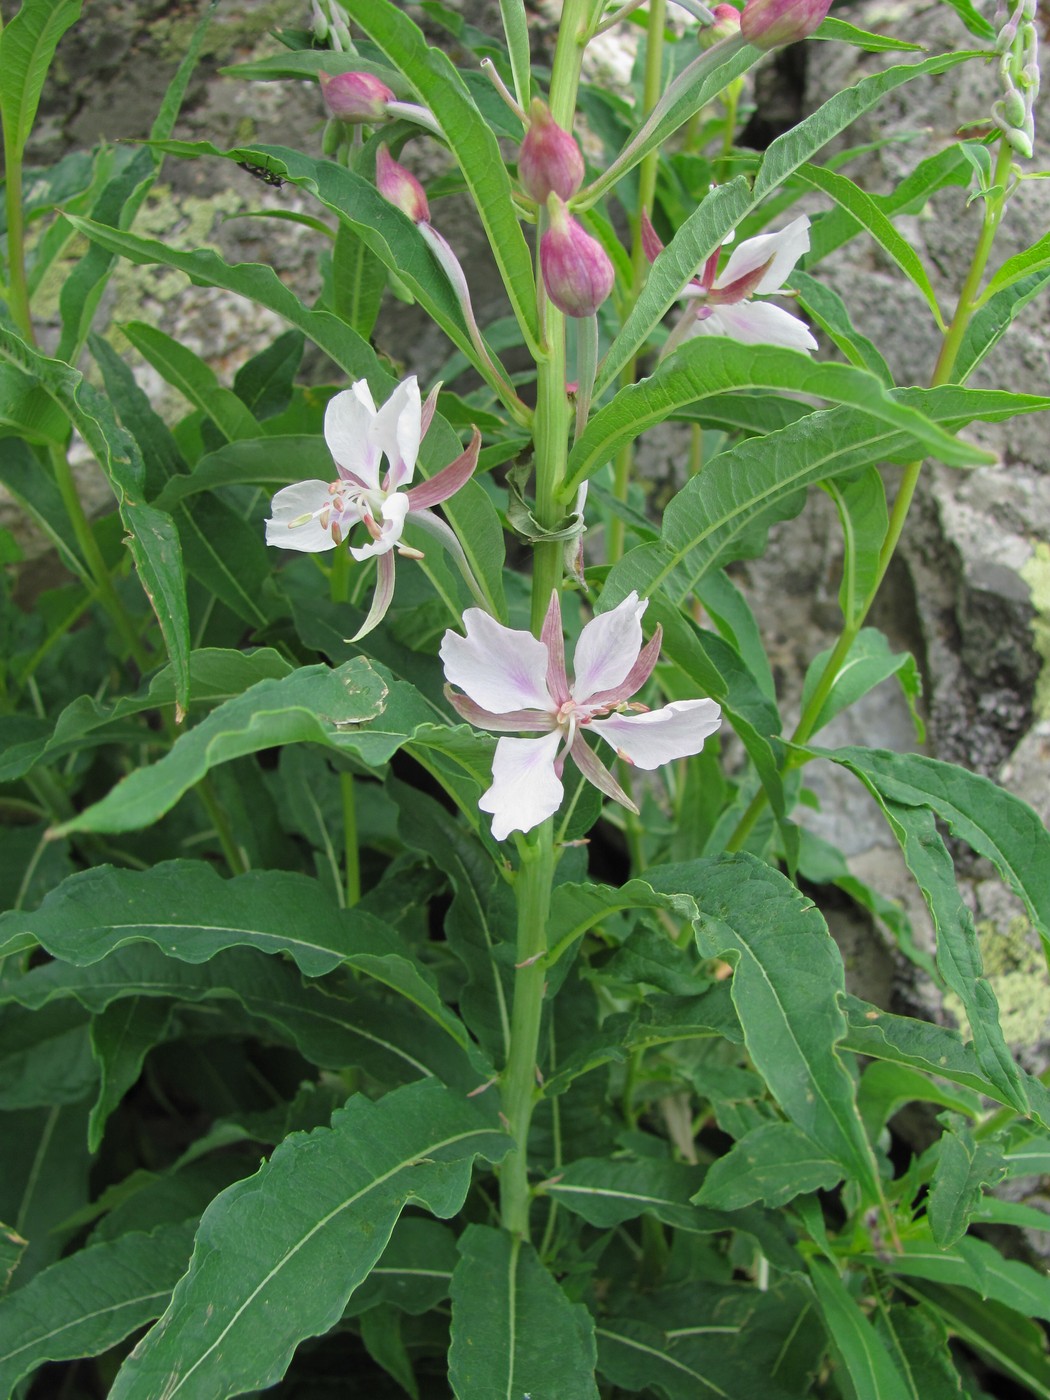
[
  {"x": 727, "y": 23},
  {"x": 576, "y": 268},
  {"x": 769, "y": 23},
  {"x": 401, "y": 187},
  {"x": 355, "y": 97},
  {"x": 549, "y": 161}
]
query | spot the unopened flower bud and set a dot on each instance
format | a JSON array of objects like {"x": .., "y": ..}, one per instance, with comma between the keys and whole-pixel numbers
[
  {"x": 355, "y": 97},
  {"x": 401, "y": 187},
  {"x": 727, "y": 23},
  {"x": 576, "y": 269},
  {"x": 769, "y": 23},
  {"x": 549, "y": 159}
]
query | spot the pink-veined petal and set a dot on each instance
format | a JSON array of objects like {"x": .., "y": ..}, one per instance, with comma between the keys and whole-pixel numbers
[
  {"x": 391, "y": 525},
  {"x": 758, "y": 323},
  {"x": 595, "y": 771},
  {"x": 500, "y": 668},
  {"x": 784, "y": 248},
  {"x": 380, "y": 599},
  {"x": 448, "y": 480},
  {"x": 348, "y": 433},
  {"x": 397, "y": 428},
  {"x": 514, "y": 722},
  {"x": 295, "y": 522},
  {"x": 607, "y": 649},
  {"x": 426, "y": 413},
  {"x": 525, "y": 788},
  {"x": 659, "y": 736},
  {"x": 552, "y": 638},
  {"x": 637, "y": 676}
]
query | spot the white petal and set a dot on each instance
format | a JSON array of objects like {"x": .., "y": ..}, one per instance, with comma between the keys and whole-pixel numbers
[
  {"x": 525, "y": 788},
  {"x": 287, "y": 527},
  {"x": 499, "y": 668},
  {"x": 608, "y": 648},
  {"x": 391, "y": 523},
  {"x": 348, "y": 423},
  {"x": 658, "y": 736},
  {"x": 785, "y": 248},
  {"x": 396, "y": 430},
  {"x": 758, "y": 323}
]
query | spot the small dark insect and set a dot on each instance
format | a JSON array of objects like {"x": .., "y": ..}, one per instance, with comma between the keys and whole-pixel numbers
[{"x": 268, "y": 177}]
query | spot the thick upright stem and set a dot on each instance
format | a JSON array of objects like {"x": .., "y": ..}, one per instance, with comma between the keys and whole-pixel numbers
[
  {"x": 18, "y": 295},
  {"x": 520, "y": 1087},
  {"x": 551, "y": 422}
]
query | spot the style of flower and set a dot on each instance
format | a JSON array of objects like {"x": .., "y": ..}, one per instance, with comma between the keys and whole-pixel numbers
[
  {"x": 512, "y": 680},
  {"x": 722, "y": 303},
  {"x": 314, "y": 516}
]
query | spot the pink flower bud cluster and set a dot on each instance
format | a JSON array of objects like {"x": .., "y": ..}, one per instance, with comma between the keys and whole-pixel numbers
[{"x": 550, "y": 161}]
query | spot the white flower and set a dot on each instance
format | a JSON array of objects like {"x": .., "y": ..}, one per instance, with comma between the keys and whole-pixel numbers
[
  {"x": 318, "y": 515},
  {"x": 721, "y": 303},
  {"x": 514, "y": 681}
]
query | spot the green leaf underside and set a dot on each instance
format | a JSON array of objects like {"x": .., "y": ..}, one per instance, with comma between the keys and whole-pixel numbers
[{"x": 277, "y": 1256}]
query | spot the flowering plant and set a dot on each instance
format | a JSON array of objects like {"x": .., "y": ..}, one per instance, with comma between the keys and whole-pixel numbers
[{"x": 431, "y": 989}]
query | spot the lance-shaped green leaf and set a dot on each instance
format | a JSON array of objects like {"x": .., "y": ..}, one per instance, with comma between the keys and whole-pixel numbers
[
  {"x": 606, "y": 1193},
  {"x": 773, "y": 1163},
  {"x": 27, "y": 46},
  {"x": 1031, "y": 260},
  {"x": 277, "y": 1256},
  {"x": 187, "y": 909},
  {"x": 333, "y": 1027},
  {"x": 977, "y": 1265},
  {"x": 859, "y": 1348},
  {"x": 258, "y": 283},
  {"x": 1011, "y": 1344},
  {"x": 85, "y": 1304},
  {"x": 823, "y": 305},
  {"x": 871, "y": 217},
  {"x": 473, "y": 142},
  {"x": 992, "y": 821},
  {"x": 196, "y": 381},
  {"x": 121, "y": 1038},
  {"x": 312, "y": 704},
  {"x": 868, "y": 663},
  {"x": 724, "y": 512},
  {"x": 151, "y": 534},
  {"x": 964, "y": 1168},
  {"x": 514, "y": 1331},
  {"x": 863, "y": 515},
  {"x": 991, "y": 321},
  {"x": 708, "y": 366},
  {"x": 786, "y": 982},
  {"x": 45, "y": 1178},
  {"x": 935, "y": 1050},
  {"x": 710, "y": 223}
]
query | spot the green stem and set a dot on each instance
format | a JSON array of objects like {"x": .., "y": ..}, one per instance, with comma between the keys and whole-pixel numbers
[
  {"x": 967, "y": 304},
  {"x": 520, "y": 1090},
  {"x": 350, "y": 847},
  {"x": 92, "y": 556},
  {"x": 17, "y": 289}
]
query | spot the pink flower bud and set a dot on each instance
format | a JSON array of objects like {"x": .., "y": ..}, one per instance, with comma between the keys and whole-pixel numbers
[
  {"x": 355, "y": 97},
  {"x": 727, "y": 23},
  {"x": 549, "y": 159},
  {"x": 576, "y": 268},
  {"x": 769, "y": 23},
  {"x": 401, "y": 187}
]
